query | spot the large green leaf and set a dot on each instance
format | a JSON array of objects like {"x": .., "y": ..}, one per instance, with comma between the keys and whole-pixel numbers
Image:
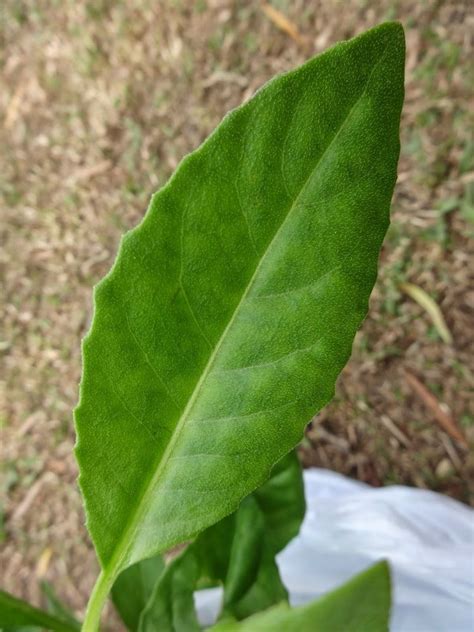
[
  {"x": 238, "y": 552},
  {"x": 232, "y": 307},
  {"x": 133, "y": 587},
  {"x": 16, "y": 615},
  {"x": 360, "y": 605}
]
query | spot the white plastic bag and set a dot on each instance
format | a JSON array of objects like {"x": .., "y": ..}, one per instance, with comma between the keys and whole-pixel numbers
[{"x": 427, "y": 538}]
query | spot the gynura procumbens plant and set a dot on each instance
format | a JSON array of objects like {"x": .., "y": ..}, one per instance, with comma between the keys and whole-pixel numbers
[{"x": 217, "y": 335}]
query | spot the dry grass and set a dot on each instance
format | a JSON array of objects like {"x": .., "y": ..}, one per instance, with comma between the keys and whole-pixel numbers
[{"x": 99, "y": 100}]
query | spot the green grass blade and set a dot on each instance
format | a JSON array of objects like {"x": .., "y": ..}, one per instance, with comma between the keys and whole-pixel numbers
[
  {"x": 16, "y": 613},
  {"x": 56, "y": 607}
]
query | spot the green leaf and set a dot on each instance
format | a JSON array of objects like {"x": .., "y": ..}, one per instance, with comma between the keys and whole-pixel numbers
[
  {"x": 253, "y": 581},
  {"x": 17, "y": 614},
  {"x": 232, "y": 307},
  {"x": 264, "y": 524},
  {"x": 133, "y": 588},
  {"x": 360, "y": 605},
  {"x": 238, "y": 552}
]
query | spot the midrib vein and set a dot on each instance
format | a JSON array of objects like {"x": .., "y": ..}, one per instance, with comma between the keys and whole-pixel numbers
[{"x": 126, "y": 540}]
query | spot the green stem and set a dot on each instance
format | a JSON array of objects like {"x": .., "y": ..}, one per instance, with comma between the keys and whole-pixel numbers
[{"x": 96, "y": 602}]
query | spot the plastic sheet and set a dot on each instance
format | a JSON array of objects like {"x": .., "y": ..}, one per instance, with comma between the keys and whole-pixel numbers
[{"x": 427, "y": 538}]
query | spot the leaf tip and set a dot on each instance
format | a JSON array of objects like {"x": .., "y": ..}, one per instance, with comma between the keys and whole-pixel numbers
[{"x": 396, "y": 35}]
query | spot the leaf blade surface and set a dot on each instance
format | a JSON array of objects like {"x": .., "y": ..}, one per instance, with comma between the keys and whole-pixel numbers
[
  {"x": 360, "y": 605},
  {"x": 232, "y": 308},
  {"x": 237, "y": 552}
]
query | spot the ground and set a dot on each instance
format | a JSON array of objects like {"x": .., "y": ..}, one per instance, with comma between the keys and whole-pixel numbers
[{"x": 99, "y": 100}]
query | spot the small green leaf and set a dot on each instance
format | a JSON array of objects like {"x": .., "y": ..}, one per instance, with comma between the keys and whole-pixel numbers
[
  {"x": 361, "y": 605},
  {"x": 16, "y": 614},
  {"x": 171, "y": 606},
  {"x": 133, "y": 588},
  {"x": 238, "y": 552},
  {"x": 232, "y": 308},
  {"x": 252, "y": 581}
]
